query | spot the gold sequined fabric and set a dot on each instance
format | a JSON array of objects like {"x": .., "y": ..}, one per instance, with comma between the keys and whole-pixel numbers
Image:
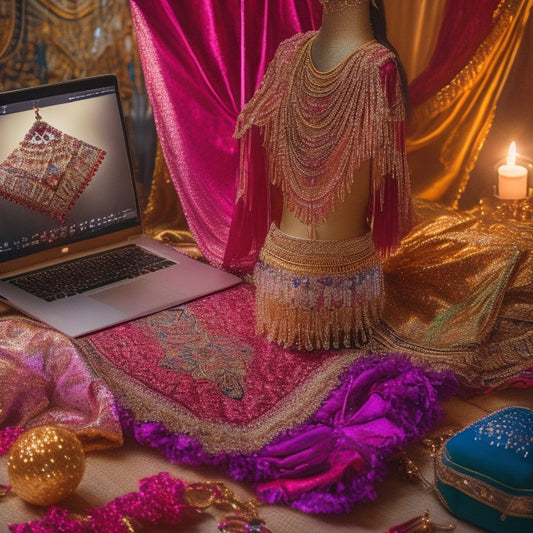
[
  {"x": 313, "y": 294},
  {"x": 459, "y": 295}
]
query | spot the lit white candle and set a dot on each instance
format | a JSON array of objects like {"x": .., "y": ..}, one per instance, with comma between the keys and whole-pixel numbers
[{"x": 512, "y": 178}]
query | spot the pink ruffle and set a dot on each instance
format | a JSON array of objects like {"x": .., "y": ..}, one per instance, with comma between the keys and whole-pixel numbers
[{"x": 159, "y": 502}]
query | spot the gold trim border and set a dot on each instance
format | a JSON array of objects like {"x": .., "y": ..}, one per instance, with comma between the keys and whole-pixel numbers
[
  {"x": 465, "y": 78},
  {"x": 506, "y": 504}
]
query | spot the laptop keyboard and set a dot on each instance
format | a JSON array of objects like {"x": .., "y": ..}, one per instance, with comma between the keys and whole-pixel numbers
[{"x": 91, "y": 272}]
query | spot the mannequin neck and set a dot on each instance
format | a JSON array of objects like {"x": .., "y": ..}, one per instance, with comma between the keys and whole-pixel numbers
[{"x": 341, "y": 32}]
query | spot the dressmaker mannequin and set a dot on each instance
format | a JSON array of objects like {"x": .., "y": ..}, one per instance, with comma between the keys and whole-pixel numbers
[{"x": 331, "y": 110}]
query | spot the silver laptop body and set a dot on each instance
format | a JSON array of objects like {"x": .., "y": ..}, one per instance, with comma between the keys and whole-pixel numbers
[{"x": 67, "y": 191}]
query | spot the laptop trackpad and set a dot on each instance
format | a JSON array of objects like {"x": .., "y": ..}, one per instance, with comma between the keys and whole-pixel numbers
[{"x": 137, "y": 296}]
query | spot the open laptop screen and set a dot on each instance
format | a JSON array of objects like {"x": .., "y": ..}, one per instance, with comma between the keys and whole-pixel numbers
[{"x": 65, "y": 170}]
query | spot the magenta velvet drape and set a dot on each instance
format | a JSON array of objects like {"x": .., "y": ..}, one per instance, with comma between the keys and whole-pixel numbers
[{"x": 202, "y": 60}]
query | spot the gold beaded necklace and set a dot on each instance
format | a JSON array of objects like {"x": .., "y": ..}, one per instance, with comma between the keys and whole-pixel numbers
[{"x": 318, "y": 127}]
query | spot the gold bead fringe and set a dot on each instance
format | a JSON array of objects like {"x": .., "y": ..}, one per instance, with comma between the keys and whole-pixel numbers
[{"x": 313, "y": 295}]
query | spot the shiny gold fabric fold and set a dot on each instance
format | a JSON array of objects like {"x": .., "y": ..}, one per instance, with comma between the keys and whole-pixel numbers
[
  {"x": 447, "y": 132},
  {"x": 413, "y": 29},
  {"x": 163, "y": 216},
  {"x": 459, "y": 295}
]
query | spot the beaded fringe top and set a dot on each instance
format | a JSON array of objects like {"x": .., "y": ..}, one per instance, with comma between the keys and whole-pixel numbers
[{"x": 319, "y": 127}]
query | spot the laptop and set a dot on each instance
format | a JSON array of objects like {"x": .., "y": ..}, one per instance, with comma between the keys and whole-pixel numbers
[{"x": 72, "y": 250}]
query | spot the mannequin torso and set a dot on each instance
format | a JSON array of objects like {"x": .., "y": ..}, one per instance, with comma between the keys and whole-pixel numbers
[
  {"x": 348, "y": 220},
  {"x": 340, "y": 34},
  {"x": 331, "y": 111}
]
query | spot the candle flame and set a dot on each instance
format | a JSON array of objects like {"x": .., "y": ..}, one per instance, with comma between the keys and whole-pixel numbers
[{"x": 511, "y": 155}]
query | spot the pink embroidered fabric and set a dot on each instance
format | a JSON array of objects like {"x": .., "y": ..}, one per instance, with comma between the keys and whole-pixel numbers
[
  {"x": 201, "y": 65},
  {"x": 197, "y": 384},
  {"x": 45, "y": 382}
]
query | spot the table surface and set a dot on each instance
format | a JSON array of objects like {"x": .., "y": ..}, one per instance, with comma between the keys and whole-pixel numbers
[{"x": 113, "y": 473}]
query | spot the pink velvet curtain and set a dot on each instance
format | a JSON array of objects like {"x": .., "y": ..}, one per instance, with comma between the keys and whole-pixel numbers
[{"x": 203, "y": 59}]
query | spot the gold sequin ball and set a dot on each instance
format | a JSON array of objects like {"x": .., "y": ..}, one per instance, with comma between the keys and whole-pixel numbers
[{"x": 45, "y": 465}]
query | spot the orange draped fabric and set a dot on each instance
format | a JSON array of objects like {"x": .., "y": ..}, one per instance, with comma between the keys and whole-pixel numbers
[{"x": 454, "y": 100}]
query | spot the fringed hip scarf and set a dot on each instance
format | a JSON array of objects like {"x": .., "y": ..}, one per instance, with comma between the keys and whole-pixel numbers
[{"x": 313, "y": 294}]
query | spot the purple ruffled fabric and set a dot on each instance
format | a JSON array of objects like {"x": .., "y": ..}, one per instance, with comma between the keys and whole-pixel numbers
[{"x": 335, "y": 459}]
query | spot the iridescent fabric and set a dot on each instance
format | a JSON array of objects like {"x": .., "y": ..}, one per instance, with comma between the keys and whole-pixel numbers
[{"x": 46, "y": 382}]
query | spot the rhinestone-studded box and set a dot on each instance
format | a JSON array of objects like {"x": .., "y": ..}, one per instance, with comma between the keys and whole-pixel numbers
[{"x": 484, "y": 473}]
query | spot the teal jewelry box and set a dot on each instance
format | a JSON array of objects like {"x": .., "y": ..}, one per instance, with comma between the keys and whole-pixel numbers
[{"x": 484, "y": 473}]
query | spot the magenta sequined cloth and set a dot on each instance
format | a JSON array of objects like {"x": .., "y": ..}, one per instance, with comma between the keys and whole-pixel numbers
[{"x": 314, "y": 432}]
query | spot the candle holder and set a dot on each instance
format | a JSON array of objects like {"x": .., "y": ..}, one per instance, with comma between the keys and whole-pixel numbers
[
  {"x": 502, "y": 209},
  {"x": 522, "y": 161}
]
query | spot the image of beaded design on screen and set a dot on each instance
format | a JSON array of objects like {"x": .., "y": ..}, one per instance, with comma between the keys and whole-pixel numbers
[{"x": 49, "y": 170}]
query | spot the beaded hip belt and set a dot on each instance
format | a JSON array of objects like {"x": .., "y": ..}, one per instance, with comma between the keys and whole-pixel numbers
[{"x": 317, "y": 294}]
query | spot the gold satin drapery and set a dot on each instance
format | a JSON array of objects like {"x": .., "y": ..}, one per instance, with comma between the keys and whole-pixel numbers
[
  {"x": 459, "y": 293},
  {"x": 413, "y": 29},
  {"x": 446, "y": 133}
]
